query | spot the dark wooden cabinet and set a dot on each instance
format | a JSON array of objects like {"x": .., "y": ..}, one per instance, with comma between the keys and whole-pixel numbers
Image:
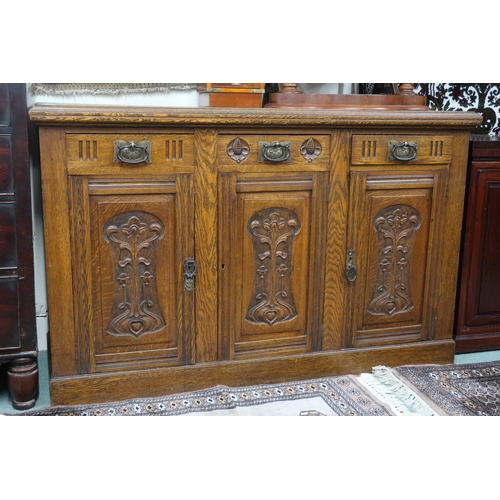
[
  {"x": 18, "y": 342},
  {"x": 478, "y": 313},
  {"x": 188, "y": 248}
]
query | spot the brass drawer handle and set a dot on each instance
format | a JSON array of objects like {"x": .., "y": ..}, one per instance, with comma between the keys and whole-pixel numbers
[
  {"x": 403, "y": 151},
  {"x": 132, "y": 152},
  {"x": 275, "y": 151}
]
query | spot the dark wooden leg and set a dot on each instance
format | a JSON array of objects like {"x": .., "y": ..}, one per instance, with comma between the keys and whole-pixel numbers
[{"x": 22, "y": 376}]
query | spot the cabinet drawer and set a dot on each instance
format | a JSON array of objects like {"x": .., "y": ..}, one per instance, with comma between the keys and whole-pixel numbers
[
  {"x": 112, "y": 153},
  {"x": 273, "y": 152},
  {"x": 401, "y": 149}
]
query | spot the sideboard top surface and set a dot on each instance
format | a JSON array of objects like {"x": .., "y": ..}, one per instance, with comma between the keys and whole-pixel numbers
[{"x": 62, "y": 115}]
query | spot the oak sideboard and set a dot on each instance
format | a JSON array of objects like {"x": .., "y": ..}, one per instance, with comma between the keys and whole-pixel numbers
[{"x": 188, "y": 248}]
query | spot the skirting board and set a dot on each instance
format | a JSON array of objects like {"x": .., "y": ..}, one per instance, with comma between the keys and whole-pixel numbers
[{"x": 102, "y": 387}]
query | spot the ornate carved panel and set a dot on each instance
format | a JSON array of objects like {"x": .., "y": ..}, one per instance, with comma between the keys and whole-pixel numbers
[
  {"x": 391, "y": 231},
  {"x": 271, "y": 238},
  {"x": 139, "y": 313},
  {"x": 133, "y": 239},
  {"x": 395, "y": 227},
  {"x": 272, "y": 231}
]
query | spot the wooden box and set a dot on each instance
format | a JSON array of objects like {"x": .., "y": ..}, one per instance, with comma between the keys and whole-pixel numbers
[{"x": 232, "y": 95}]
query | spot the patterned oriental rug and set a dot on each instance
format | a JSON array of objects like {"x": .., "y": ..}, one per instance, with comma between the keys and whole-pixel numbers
[
  {"x": 461, "y": 390},
  {"x": 429, "y": 390},
  {"x": 336, "y": 396}
]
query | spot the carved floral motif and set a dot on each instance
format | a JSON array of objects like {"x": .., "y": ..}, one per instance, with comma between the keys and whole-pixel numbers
[
  {"x": 310, "y": 149},
  {"x": 133, "y": 238},
  {"x": 273, "y": 231},
  {"x": 395, "y": 226},
  {"x": 238, "y": 149}
]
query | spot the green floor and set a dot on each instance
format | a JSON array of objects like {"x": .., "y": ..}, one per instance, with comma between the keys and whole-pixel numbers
[{"x": 43, "y": 399}]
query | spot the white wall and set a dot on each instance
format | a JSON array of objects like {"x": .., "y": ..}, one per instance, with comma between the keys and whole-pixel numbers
[{"x": 174, "y": 98}]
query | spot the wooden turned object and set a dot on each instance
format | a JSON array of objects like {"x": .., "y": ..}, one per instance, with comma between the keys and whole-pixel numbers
[
  {"x": 290, "y": 88},
  {"x": 406, "y": 89},
  {"x": 291, "y": 97},
  {"x": 22, "y": 376}
]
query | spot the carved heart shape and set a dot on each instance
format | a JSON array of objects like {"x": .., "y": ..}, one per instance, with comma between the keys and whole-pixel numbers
[
  {"x": 271, "y": 316},
  {"x": 390, "y": 307},
  {"x": 136, "y": 326}
]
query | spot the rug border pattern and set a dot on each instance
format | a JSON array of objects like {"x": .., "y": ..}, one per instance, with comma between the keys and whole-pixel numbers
[{"x": 344, "y": 395}]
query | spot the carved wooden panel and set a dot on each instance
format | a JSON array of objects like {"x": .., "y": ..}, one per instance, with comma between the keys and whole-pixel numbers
[
  {"x": 120, "y": 287},
  {"x": 390, "y": 233},
  {"x": 395, "y": 226},
  {"x": 134, "y": 238},
  {"x": 272, "y": 239},
  {"x": 273, "y": 231},
  {"x": 138, "y": 235}
]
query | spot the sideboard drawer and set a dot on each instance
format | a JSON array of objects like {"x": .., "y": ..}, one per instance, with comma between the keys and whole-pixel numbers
[
  {"x": 401, "y": 149},
  {"x": 275, "y": 152},
  {"x": 112, "y": 151}
]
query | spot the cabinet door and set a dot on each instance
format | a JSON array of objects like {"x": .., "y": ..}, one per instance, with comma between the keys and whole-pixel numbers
[
  {"x": 479, "y": 309},
  {"x": 130, "y": 239},
  {"x": 271, "y": 263},
  {"x": 393, "y": 255}
]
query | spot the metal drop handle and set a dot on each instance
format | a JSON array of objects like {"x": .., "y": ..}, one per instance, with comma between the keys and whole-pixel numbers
[
  {"x": 132, "y": 152},
  {"x": 351, "y": 272},
  {"x": 275, "y": 151},
  {"x": 403, "y": 151},
  {"x": 190, "y": 269}
]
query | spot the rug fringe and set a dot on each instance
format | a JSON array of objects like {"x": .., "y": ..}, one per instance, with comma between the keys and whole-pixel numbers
[{"x": 395, "y": 393}]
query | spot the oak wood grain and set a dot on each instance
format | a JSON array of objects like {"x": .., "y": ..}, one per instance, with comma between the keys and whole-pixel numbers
[
  {"x": 223, "y": 213},
  {"x": 333, "y": 336},
  {"x": 76, "y": 115},
  {"x": 206, "y": 244},
  {"x": 58, "y": 255},
  {"x": 453, "y": 214},
  {"x": 177, "y": 380}
]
